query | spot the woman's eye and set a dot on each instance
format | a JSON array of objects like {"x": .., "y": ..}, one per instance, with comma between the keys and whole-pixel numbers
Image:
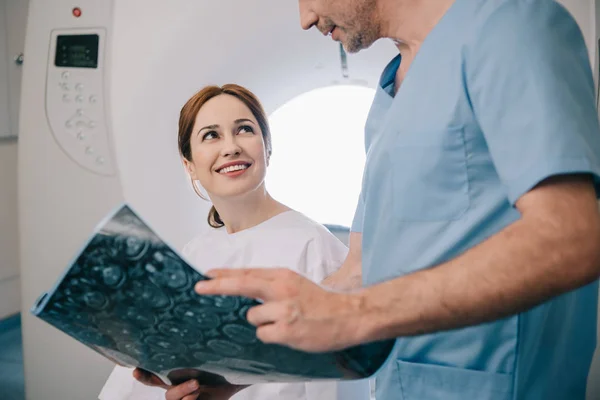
[
  {"x": 209, "y": 135},
  {"x": 246, "y": 129}
]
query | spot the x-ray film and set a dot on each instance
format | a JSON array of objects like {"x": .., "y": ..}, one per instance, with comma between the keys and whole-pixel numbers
[{"x": 130, "y": 297}]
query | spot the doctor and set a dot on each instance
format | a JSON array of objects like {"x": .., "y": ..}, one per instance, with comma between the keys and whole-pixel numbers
[{"x": 477, "y": 235}]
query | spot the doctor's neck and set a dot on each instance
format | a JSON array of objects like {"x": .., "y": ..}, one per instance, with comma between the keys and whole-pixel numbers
[
  {"x": 247, "y": 210},
  {"x": 408, "y": 22}
]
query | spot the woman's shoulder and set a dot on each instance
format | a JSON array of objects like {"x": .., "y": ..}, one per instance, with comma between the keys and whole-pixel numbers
[
  {"x": 299, "y": 225},
  {"x": 296, "y": 220},
  {"x": 320, "y": 252},
  {"x": 202, "y": 239},
  {"x": 289, "y": 228}
]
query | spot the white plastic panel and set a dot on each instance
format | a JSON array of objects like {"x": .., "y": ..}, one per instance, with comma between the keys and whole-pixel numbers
[
  {"x": 60, "y": 200},
  {"x": 75, "y": 104}
]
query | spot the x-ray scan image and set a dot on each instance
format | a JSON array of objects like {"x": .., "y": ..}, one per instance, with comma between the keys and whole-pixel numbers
[{"x": 130, "y": 297}]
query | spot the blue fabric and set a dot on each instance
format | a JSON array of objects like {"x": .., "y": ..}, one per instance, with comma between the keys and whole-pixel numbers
[{"x": 499, "y": 97}]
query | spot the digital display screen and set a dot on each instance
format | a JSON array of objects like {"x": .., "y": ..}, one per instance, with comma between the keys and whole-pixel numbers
[{"x": 77, "y": 51}]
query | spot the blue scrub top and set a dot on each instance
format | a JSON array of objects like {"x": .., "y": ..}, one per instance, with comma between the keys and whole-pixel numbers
[{"x": 499, "y": 97}]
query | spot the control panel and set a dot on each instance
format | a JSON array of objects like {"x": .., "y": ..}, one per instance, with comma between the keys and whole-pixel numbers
[{"x": 75, "y": 98}]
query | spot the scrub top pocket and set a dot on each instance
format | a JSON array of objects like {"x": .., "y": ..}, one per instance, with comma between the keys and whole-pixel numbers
[
  {"x": 429, "y": 176},
  {"x": 435, "y": 382}
]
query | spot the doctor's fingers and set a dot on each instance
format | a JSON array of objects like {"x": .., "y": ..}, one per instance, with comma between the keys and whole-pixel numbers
[
  {"x": 185, "y": 391},
  {"x": 284, "y": 312},
  {"x": 238, "y": 286},
  {"x": 286, "y": 285},
  {"x": 263, "y": 273},
  {"x": 298, "y": 336}
]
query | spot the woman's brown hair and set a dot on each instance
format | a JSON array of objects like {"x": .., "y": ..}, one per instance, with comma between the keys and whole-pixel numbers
[{"x": 190, "y": 110}]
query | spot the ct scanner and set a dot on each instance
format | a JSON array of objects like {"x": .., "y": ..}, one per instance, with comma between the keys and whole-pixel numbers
[{"x": 103, "y": 84}]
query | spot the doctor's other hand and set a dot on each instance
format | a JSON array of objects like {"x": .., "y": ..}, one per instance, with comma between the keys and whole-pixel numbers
[
  {"x": 189, "y": 390},
  {"x": 296, "y": 312}
]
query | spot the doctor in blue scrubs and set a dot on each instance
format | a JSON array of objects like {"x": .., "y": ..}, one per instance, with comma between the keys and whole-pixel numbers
[{"x": 476, "y": 241}]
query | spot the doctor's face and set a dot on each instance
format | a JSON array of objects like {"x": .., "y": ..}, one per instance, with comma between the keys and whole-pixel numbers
[
  {"x": 354, "y": 23},
  {"x": 227, "y": 148}
]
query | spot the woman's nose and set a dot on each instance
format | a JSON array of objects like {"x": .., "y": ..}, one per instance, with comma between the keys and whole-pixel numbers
[{"x": 231, "y": 148}]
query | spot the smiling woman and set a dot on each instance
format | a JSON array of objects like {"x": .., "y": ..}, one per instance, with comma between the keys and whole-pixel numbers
[{"x": 225, "y": 143}]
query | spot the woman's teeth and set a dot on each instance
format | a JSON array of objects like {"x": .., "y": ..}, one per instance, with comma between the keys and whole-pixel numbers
[{"x": 233, "y": 168}]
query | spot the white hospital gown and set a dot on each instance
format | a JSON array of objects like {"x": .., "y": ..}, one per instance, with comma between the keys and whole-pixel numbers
[{"x": 290, "y": 240}]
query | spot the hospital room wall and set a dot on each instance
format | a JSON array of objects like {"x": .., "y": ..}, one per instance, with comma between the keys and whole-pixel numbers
[{"x": 13, "y": 14}]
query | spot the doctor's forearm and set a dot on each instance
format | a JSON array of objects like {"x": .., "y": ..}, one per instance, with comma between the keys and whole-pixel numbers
[{"x": 524, "y": 265}]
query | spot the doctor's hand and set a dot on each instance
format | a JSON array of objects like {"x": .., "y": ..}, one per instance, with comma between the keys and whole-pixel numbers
[
  {"x": 295, "y": 312},
  {"x": 189, "y": 390}
]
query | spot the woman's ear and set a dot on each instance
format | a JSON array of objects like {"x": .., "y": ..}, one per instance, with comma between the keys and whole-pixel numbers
[{"x": 189, "y": 167}]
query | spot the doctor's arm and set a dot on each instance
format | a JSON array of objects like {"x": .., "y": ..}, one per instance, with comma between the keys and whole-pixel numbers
[
  {"x": 349, "y": 275},
  {"x": 554, "y": 248},
  {"x": 551, "y": 250}
]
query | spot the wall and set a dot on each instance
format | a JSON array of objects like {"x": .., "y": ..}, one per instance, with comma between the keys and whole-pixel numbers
[{"x": 13, "y": 13}]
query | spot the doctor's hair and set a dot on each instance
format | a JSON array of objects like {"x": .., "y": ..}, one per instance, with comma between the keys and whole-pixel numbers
[{"x": 187, "y": 118}]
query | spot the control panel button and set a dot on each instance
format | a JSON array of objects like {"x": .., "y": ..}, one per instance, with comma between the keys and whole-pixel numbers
[
  {"x": 79, "y": 112},
  {"x": 91, "y": 124},
  {"x": 69, "y": 124},
  {"x": 93, "y": 99},
  {"x": 100, "y": 160},
  {"x": 66, "y": 98},
  {"x": 65, "y": 75},
  {"x": 64, "y": 86},
  {"x": 79, "y": 99},
  {"x": 89, "y": 150},
  {"x": 81, "y": 136},
  {"x": 79, "y": 87}
]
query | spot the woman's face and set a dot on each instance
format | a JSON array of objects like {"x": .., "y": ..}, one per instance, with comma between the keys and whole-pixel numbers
[{"x": 228, "y": 151}]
